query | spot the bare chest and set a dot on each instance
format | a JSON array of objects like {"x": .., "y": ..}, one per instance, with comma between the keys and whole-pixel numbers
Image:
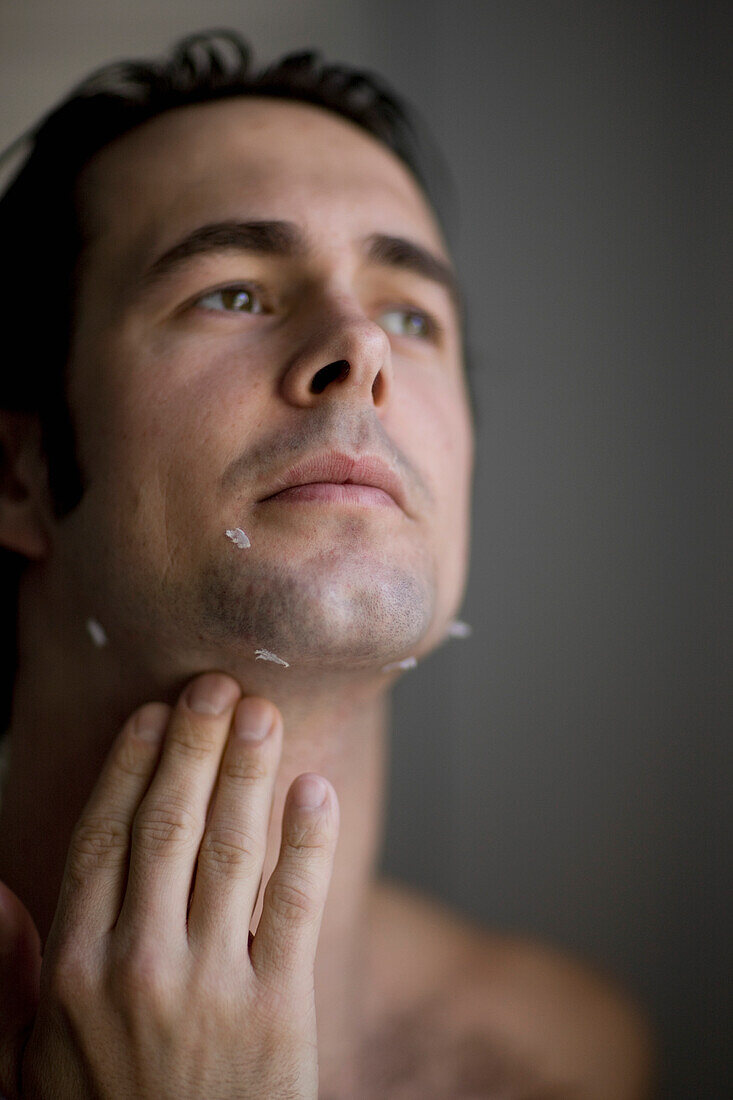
[
  {"x": 426, "y": 1056},
  {"x": 439, "y": 1026}
]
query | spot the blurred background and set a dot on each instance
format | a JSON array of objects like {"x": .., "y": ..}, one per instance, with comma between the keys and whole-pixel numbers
[{"x": 564, "y": 772}]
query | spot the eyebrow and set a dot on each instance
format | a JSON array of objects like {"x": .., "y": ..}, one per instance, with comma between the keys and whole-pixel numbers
[{"x": 286, "y": 239}]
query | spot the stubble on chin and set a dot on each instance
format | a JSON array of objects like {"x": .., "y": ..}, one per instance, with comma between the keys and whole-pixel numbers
[{"x": 337, "y": 620}]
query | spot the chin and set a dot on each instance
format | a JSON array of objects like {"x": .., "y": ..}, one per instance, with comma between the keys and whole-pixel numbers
[{"x": 318, "y": 618}]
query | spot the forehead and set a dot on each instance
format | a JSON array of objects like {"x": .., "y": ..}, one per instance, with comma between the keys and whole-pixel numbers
[{"x": 249, "y": 156}]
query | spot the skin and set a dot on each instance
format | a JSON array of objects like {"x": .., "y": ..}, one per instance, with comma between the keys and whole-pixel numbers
[
  {"x": 186, "y": 414},
  {"x": 338, "y": 590}
]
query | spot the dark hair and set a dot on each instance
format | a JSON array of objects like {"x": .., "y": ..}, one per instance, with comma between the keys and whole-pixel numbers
[{"x": 39, "y": 212}]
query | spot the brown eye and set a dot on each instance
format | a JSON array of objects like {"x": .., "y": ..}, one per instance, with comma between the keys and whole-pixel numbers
[{"x": 231, "y": 299}]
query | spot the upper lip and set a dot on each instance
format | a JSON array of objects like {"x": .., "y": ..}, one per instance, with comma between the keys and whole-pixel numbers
[{"x": 339, "y": 468}]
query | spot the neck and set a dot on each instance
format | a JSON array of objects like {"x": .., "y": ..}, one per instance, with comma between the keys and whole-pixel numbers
[{"x": 62, "y": 726}]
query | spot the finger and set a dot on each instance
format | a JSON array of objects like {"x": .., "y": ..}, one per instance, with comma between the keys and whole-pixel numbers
[
  {"x": 169, "y": 824},
  {"x": 96, "y": 864},
  {"x": 20, "y": 970},
  {"x": 233, "y": 847},
  {"x": 284, "y": 946}
]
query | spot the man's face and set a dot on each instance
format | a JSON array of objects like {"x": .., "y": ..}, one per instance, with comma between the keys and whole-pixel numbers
[{"x": 195, "y": 388}]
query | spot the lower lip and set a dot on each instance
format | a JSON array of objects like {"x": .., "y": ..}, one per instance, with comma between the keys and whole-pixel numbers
[{"x": 329, "y": 492}]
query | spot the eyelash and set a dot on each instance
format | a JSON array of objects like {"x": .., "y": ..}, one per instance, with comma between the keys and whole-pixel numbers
[{"x": 433, "y": 328}]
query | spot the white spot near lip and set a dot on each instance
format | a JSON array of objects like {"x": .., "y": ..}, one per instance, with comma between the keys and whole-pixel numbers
[
  {"x": 96, "y": 632},
  {"x": 239, "y": 538},
  {"x": 457, "y": 629},
  {"x": 409, "y": 662},
  {"x": 266, "y": 655}
]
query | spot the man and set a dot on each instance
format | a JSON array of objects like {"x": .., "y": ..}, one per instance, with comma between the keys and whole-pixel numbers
[{"x": 264, "y": 400}]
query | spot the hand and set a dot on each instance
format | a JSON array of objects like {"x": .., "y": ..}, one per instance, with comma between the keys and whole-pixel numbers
[{"x": 151, "y": 985}]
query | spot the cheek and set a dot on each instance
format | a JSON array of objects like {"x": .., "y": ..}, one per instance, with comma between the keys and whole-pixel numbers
[
  {"x": 435, "y": 431},
  {"x": 159, "y": 428},
  {"x": 432, "y": 425},
  {"x": 182, "y": 458}
]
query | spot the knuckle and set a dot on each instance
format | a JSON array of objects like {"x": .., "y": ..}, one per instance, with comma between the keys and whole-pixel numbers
[
  {"x": 292, "y": 900},
  {"x": 69, "y": 977},
  {"x": 97, "y": 842},
  {"x": 192, "y": 740},
  {"x": 130, "y": 760},
  {"x": 165, "y": 828},
  {"x": 245, "y": 769},
  {"x": 228, "y": 847},
  {"x": 142, "y": 976},
  {"x": 306, "y": 839}
]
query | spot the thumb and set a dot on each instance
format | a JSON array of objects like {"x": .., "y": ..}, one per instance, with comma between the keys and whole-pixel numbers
[{"x": 20, "y": 973}]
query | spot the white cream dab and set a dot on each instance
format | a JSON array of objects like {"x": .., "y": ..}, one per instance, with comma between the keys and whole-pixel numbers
[
  {"x": 96, "y": 632},
  {"x": 266, "y": 655},
  {"x": 239, "y": 538},
  {"x": 409, "y": 662},
  {"x": 457, "y": 629}
]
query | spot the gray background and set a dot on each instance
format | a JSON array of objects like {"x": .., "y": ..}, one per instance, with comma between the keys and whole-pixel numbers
[{"x": 563, "y": 772}]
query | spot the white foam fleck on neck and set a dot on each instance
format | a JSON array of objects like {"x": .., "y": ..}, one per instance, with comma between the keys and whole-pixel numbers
[
  {"x": 96, "y": 632},
  {"x": 458, "y": 629},
  {"x": 408, "y": 662}
]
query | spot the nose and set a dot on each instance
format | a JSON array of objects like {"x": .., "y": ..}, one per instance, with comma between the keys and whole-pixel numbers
[{"x": 348, "y": 359}]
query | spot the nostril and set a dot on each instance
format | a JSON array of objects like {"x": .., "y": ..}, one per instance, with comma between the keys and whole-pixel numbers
[
  {"x": 334, "y": 372},
  {"x": 378, "y": 390}
]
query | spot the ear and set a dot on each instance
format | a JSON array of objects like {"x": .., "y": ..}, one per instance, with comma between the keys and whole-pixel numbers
[{"x": 25, "y": 507}]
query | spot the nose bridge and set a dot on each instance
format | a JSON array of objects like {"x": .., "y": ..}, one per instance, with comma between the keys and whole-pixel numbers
[{"x": 345, "y": 354}]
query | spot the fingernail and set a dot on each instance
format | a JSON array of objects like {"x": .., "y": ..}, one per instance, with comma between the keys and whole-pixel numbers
[
  {"x": 211, "y": 694},
  {"x": 151, "y": 721},
  {"x": 310, "y": 792},
  {"x": 253, "y": 719}
]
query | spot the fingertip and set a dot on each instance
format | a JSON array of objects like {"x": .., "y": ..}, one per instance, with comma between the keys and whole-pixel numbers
[
  {"x": 257, "y": 718},
  {"x": 211, "y": 694},
  {"x": 311, "y": 791},
  {"x": 150, "y": 721}
]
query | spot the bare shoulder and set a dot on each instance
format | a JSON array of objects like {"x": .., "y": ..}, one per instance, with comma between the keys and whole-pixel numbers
[
  {"x": 577, "y": 1022},
  {"x": 504, "y": 1011}
]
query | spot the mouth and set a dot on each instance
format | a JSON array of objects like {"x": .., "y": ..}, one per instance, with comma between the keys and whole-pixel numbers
[{"x": 336, "y": 478}]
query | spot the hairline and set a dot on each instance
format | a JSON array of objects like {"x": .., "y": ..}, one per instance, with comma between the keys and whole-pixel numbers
[{"x": 88, "y": 235}]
